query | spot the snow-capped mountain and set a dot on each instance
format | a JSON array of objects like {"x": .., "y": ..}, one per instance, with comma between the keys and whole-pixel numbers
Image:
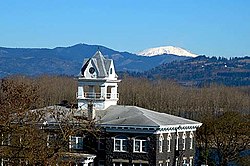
[
  {"x": 68, "y": 60},
  {"x": 166, "y": 50}
]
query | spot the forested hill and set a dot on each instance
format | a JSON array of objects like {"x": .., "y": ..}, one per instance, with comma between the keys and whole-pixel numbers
[
  {"x": 68, "y": 60},
  {"x": 203, "y": 70}
]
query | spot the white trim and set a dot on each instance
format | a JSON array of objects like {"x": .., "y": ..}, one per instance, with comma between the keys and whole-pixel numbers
[
  {"x": 121, "y": 142},
  {"x": 191, "y": 136},
  {"x": 180, "y": 128},
  {"x": 191, "y": 160},
  {"x": 140, "y": 145},
  {"x": 184, "y": 136},
  {"x": 83, "y": 80},
  {"x": 150, "y": 129},
  {"x": 168, "y": 162},
  {"x": 78, "y": 140},
  {"x": 184, "y": 161},
  {"x": 169, "y": 142},
  {"x": 70, "y": 144},
  {"x": 177, "y": 141},
  {"x": 161, "y": 138},
  {"x": 176, "y": 162}
]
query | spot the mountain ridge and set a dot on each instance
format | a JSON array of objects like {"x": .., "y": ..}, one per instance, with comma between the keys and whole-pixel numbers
[
  {"x": 68, "y": 60},
  {"x": 166, "y": 50},
  {"x": 202, "y": 70},
  {"x": 196, "y": 71}
]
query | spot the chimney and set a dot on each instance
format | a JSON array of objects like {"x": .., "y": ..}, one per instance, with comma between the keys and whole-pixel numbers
[{"x": 91, "y": 111}]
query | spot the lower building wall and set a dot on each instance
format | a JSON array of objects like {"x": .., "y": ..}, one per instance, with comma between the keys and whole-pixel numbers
[
  {"x": 109, "y": 157},
  {"x": 154, "y": 156},
  {"x": 175, "y": 156}
]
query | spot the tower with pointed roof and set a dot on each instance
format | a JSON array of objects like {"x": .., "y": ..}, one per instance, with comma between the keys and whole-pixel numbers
[
  {"x": 132, "y": 135},
  {"x": 97, "y": 83}
]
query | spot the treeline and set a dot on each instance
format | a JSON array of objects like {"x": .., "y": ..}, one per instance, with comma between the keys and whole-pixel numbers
[
  {"x": 22, "y": 142},
  {"x": 189, "y": 102},
  {"x": 51, "y": 90},
  {"x": 224, "y": 111},
  {"x": 160, "y": 95}
]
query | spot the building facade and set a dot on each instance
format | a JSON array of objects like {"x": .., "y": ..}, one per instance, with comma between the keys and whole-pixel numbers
[{"x": 131, "y": 135}]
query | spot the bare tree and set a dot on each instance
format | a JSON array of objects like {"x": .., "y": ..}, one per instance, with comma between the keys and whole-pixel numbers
[
  {"x": 25, "y": 130},
  {"x": 228, "y": 134}
]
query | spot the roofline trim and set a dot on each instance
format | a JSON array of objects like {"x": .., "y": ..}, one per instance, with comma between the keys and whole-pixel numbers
[
  {"x": 150, "y": 129},
  {"x": 178, "y": 128},
  {"x": 104, "y": 79},
  {"x": 129, "y": 128}
]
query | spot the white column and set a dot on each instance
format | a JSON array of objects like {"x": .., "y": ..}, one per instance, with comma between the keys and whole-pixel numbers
[
  {"x": 114, "y": 92},
  {"x": 177, "y": 141},
  {"x": 191, "y": 161},
  {"x": 80, "y": 92},
  {"x": 103, "y": 91}
]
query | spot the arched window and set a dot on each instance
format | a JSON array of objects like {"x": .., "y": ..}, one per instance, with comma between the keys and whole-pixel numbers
[
  {"x": 191, "y": 136},
  {"x": 169, "y": 142},
  {"x": 140, "y": 144},
  {"x": 177, "y": 141},
  {"x": 161, "y": 138},
  {"x": 184, "y": 140},
  {"x": 120, "y": 143}
]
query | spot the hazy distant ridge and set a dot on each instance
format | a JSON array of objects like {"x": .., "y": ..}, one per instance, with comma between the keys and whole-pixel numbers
[{"x": 68, "y": 60}]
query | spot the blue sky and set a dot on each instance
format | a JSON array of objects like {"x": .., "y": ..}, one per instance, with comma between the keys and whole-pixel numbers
[{"x": 210, "y": 27}]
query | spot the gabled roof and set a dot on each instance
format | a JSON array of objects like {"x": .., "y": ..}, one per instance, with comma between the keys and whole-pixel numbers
[
  {"x": 102, "y": 64},
  {"x": 137, "y": 116},
  {"x": 84, "y": 66}
]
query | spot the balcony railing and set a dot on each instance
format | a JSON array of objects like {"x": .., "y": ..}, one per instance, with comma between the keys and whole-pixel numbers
[{"x": 98, "y": 96}]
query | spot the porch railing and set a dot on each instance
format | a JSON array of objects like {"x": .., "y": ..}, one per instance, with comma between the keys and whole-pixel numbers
[{"x": 97, "y": 96}]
